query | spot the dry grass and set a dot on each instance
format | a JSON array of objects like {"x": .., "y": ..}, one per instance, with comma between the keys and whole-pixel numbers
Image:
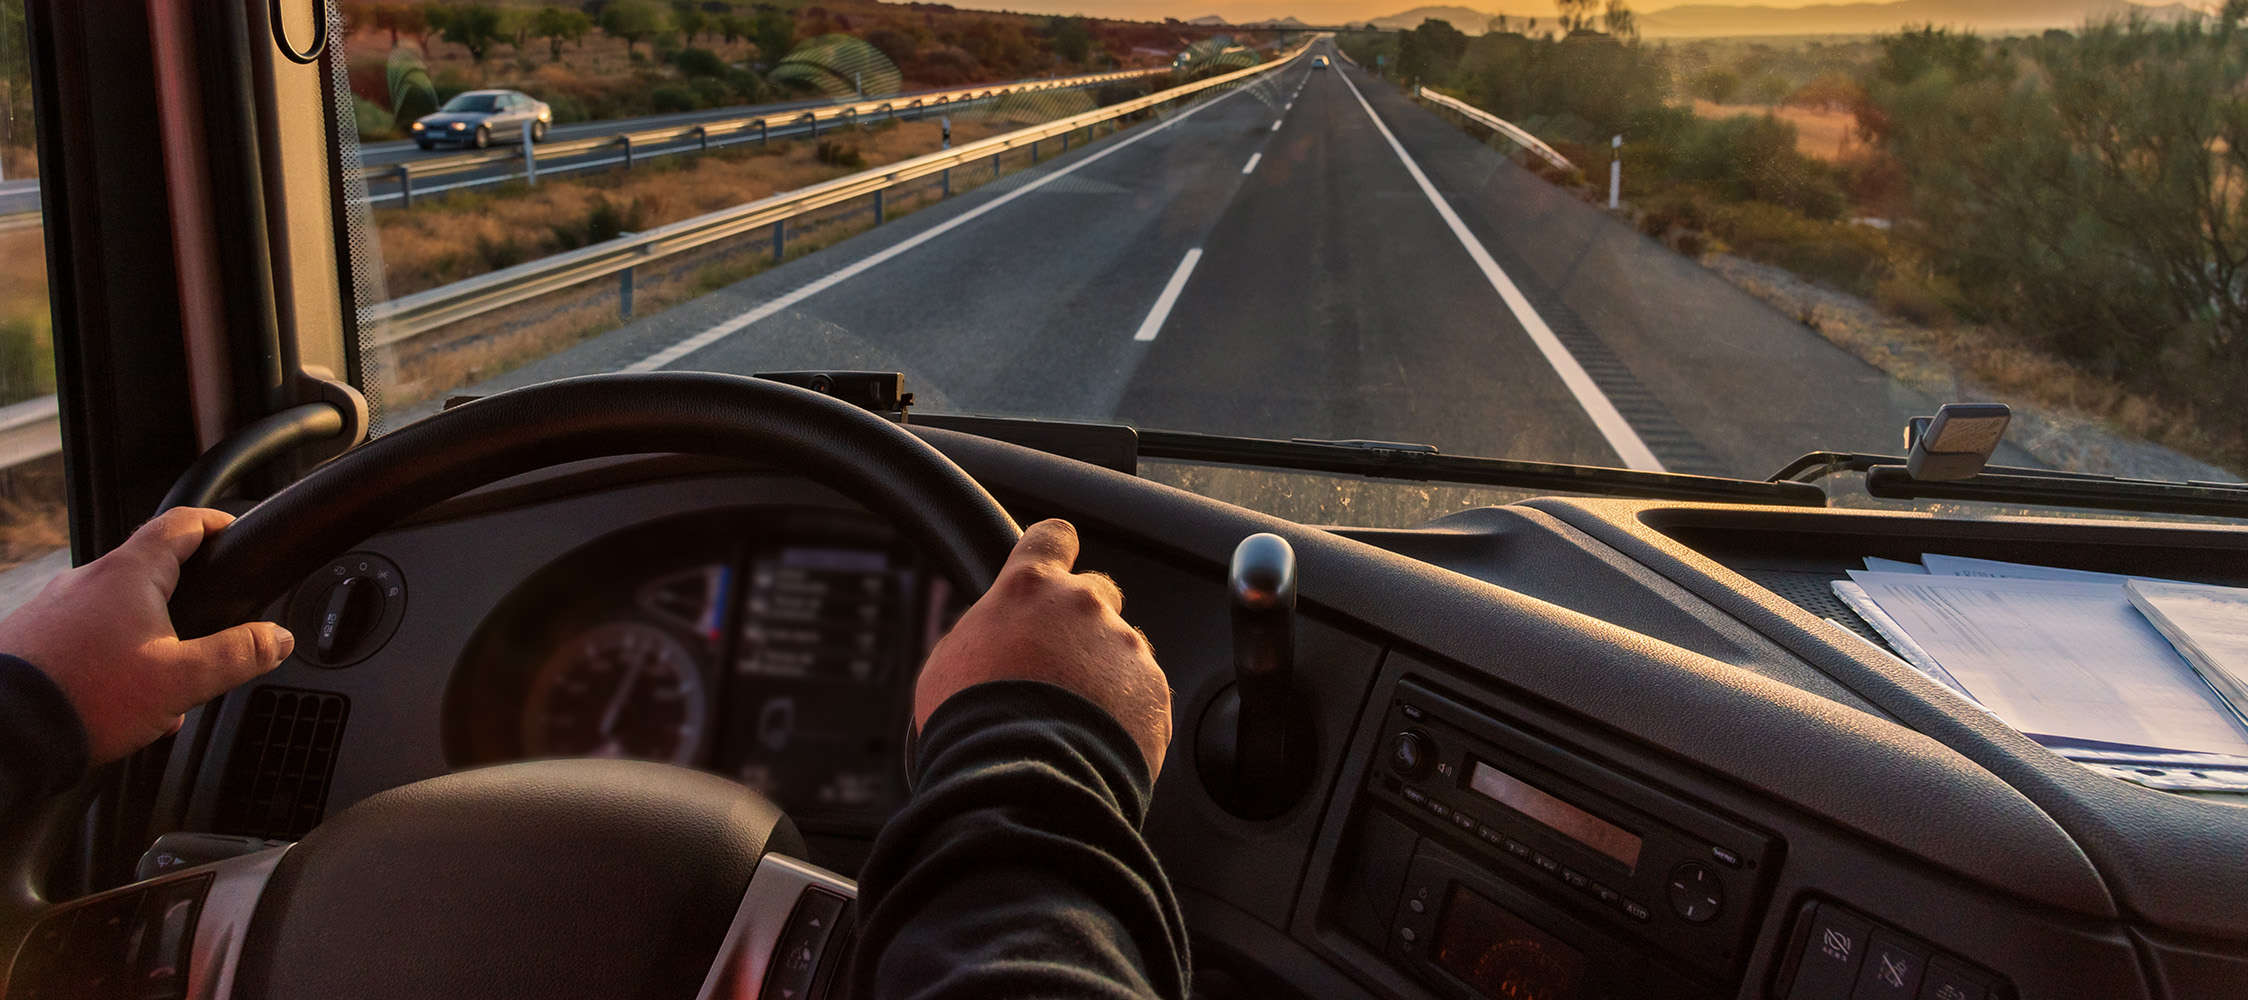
[
  {"x": 1819, "y": 133},
  {"x": 470, "y": 233},
  {"x": 33, "y": 518}
]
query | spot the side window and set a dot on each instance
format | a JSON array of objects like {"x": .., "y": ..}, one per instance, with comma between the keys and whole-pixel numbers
[{"x": 32, "y": 518}]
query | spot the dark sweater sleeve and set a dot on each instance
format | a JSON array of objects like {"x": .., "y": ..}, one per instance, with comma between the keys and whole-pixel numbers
[
  {"x": 42, "y": 741},
  {"x": 1018, "y": 869}
]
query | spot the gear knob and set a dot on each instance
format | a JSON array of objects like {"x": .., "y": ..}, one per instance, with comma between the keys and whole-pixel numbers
[{"x": 1255, "y": 743}]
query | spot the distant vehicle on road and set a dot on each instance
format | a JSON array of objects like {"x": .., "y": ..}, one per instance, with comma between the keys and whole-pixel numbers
[
  {"x": 479, "y": 116},
  {"x": 1318, "y": 62}
]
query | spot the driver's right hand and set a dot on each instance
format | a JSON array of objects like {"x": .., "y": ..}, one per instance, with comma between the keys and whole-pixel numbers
[{"x": 1043, "y": 622}]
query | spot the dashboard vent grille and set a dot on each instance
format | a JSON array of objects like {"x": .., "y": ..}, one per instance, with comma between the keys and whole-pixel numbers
[{"x": 276, "y": 781}]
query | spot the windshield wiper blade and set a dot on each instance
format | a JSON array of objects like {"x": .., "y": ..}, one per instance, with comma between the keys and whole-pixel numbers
[
  {"x": 2031, "y": 486},
  {"x": 1886, "y": 478},
  {"x": 1423, "y": 463}
]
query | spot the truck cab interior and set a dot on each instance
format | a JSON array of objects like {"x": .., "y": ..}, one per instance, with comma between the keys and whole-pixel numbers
[{"x": 601, "y": 685}]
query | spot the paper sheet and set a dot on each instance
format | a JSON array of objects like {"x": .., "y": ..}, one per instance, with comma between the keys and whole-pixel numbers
[
  {"x": 1943, "y": 565},
  {"x": 1879, "y": 565},
  {"x": 2059, "y": 659},
  {"x": 2208, "y": 626}
]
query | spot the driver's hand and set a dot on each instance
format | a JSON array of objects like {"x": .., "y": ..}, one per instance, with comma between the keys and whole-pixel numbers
[
  {"x": 1042, "y": 622},
  {"x": 103, "y": 633}
]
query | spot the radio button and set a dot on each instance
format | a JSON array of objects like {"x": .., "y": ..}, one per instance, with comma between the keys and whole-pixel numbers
[
  {"x": 1695, "y": 892},
  {"x": 1416, "y": 796},
  {"x": 1490, "y": 836},
  {"x": 1607, "y": 895},
  {"x": 1551, "y": 866},
  {"x": 1576, "y": 879},
  {"x": 1517, "y": 848},
  {"x": 1725, "y": 857},
  {"x": 1409, "y": 754},
  {"x": 1637, "y": 911},
  {"x": 1440, "y": 809},
  {"x": 1463, "y": 821}
]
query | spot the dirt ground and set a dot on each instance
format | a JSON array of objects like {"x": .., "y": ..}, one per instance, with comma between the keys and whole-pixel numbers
[{"x": 1819, "y": 133}]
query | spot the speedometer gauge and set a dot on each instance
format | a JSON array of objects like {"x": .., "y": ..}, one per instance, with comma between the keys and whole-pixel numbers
[{"x": 624, "y": 689}]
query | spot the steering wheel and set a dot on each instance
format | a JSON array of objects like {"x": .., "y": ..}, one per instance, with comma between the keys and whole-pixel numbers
[{"x": 559, "y": 878}]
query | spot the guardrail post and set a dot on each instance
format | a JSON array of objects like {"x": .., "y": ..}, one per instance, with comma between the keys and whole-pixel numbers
[
  {"x": 878, "y": 206},
  {"x": 406, "y": 185},
  {"x": 815, "y": 120},
  {"x": 624, "y": 294},
  {"x": 530, "y": 158},
  {"x": 1034, "y": 152},
  {"x": 627, "y": 141},
  {"x": 702, "y": 138},
  {"x": 947, "y": 182},
  {"x": 995, "y": 166},
  {"x": 1065, "y": 142},
  {"x": 780, "y": 240}
]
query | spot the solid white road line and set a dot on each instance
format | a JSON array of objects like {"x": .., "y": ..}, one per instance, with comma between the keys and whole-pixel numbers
[
  {"x": 1153, "y": 324},
  {"x": 1276, "y": 126},
  {"x": 1611, "y": 423},
  {"x": 838, "y": 276},
  {"x": 1252, "y": 164}
]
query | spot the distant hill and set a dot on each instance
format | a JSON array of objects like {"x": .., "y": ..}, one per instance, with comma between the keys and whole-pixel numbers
[
  {"x": 1704, "y": 20},
  {"x": 1283, "y": 24},
  {"x": 1466, "y": 19},
  {"x": 1209, "y": 20}
]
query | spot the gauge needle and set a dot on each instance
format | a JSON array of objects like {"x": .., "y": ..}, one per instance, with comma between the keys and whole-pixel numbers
[{"x": 624, "y": 692}]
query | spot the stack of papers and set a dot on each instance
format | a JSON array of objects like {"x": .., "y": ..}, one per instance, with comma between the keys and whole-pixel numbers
[{"x": 2144, "y": 678}]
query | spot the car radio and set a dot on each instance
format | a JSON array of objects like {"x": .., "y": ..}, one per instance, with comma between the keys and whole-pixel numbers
[{"x": 1584, "y": 858}]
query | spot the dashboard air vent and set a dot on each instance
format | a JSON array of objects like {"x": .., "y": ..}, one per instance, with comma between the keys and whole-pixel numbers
[{"x": 276, "y": 780}]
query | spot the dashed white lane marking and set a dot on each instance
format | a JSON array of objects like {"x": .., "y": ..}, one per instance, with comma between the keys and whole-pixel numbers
[
  {"x": 1276, "y": 126},
  {"x": 836, "y": 277},
  {"x": 1610, "y": 422},
  {"x": 1252, "y": 164},
  {"x": 1153, "y": 324}
]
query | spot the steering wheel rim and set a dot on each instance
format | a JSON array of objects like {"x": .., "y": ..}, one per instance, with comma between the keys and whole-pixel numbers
[{"x": 244, "y": 567}]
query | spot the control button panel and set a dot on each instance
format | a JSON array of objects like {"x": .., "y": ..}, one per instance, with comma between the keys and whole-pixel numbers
[
  {"x": 132, "y": 944},
  {"x": 1695, "y": 892},
  {"x": 805, "y": 958},
  {"x": 1839, "y": 954}
]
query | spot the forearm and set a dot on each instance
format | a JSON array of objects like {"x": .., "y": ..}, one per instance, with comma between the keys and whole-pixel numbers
[
  {"x": 42, "y": 741},
  {"x": 1018, "y": 870}
]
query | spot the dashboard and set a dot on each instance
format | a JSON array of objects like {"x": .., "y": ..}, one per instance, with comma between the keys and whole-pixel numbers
[{"x": 1566, "y": 748}]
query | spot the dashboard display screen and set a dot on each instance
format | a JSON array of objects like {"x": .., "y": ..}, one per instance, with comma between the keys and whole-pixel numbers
[
  {"x": 1565, "y": 819},
  {"x": 1500, "y": 954}
]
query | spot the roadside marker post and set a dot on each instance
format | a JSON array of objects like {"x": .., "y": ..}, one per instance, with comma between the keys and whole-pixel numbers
[
  {"x": 1616, "y": 174},
  {"x": 530, "y": 158}
]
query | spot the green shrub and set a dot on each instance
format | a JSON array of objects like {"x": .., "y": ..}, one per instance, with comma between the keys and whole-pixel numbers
[
  {"x": 694, "y": 63},
  {"x": 27, "y": 358},
  {"x": 371, "y": 120},
  {"x": 603, "y": 221},
  {"x": 839, "y": 154},
  {"x": 674, "y": 98}
]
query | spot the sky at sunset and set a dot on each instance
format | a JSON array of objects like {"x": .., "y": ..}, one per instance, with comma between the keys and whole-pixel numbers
[{"x": 1342, "y": 11}]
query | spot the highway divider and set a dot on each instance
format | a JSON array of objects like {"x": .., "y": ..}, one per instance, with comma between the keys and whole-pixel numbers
[
  {"x": 1499, "y": 125},
  {"x": 732, "y": 130},
  {"x": 411, "y": 316},
  {"x": 31, "y": 430}
]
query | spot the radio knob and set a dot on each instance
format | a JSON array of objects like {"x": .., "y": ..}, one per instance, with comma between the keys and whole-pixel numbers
[{"x": 1409, "y": 754}]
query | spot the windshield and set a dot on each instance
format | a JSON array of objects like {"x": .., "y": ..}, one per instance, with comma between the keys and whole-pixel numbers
[
  {"x": 473, "y": 102},
  {"x": 1702, "y": 239}
]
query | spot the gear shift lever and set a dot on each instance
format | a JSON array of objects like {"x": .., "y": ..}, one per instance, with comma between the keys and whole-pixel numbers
[{"x": 1255, "y": 744}]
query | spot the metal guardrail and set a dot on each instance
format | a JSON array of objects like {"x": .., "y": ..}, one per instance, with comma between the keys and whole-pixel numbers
[
  {"x": 1500, "y": 125},
  {"x": 32, "y": 429},
  {"x": 741, "y": 127},
  {"x": 404, "y": 318}
]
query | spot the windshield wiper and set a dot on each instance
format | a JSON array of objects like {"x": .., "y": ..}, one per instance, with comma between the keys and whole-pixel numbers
[
  {"x": 1886, "y": 478},
  {"x": 1119, "y": 447}
]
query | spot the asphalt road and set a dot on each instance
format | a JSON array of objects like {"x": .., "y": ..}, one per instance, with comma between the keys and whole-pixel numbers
[{"x": 1329, "y": 296}]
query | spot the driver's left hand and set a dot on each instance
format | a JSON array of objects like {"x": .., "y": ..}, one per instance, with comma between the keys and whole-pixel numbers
[{"x": 103, "y": 633}]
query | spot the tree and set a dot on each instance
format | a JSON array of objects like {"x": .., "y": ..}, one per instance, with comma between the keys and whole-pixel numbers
[
  {"x": 1717, "y": 85},
  {"x": 1577, "y": 15},
  {"x": 689, "y": 22},
  {"x": 474, "y": 27},
  {"x": 1072, "y": 41},
  {"x": 776, "y": 34},
  {"x": 734, "y": 27},
  {"x": 631, "y": 20},
  {"x": 558, "y": 25},
  {"x": 399, "y": 18},
  {"x": 1430, "y": 51},
  {"x": 1621, "y": 22}
]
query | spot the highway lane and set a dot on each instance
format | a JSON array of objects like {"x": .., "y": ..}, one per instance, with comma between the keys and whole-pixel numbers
[{"x": 1331, "y": 299}]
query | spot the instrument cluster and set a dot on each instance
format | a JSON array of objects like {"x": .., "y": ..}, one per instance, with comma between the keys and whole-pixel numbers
[{"x": 775, "y": 645}]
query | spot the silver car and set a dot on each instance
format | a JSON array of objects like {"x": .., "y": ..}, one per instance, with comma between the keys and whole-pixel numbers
[{"x": 477, "y": 117}]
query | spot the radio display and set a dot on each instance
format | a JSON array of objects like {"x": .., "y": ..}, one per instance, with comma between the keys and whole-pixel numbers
[
  {"x": 1500, "y": 954},
  {"x": 1563, "y": 818}
]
